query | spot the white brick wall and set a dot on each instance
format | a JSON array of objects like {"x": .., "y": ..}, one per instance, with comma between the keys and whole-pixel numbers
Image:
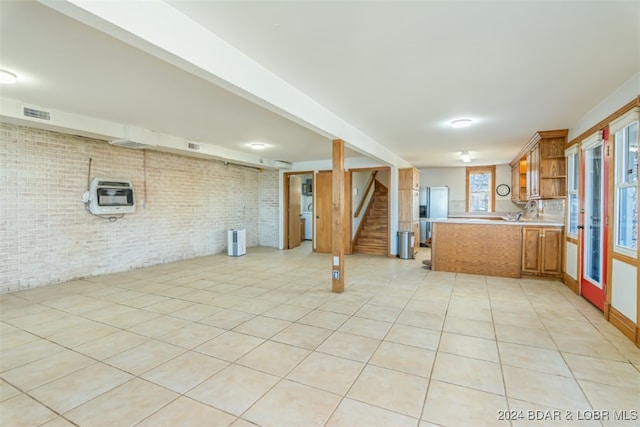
[
  {"x": 184, "y": 207},
  {"x": 269, "y": 202}
]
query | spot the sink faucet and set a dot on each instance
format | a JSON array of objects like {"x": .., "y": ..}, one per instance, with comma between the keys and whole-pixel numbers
[{"x": 532, "y": 204}]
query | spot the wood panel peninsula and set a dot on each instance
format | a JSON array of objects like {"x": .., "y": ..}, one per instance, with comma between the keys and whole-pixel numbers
[{"x": 496, "y": 247}]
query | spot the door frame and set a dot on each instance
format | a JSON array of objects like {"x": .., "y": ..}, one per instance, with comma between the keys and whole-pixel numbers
[
  {"x": 596, "y": 296},
  {"x": 285, "y": 186},
  {"x": 386, "y": 169}
]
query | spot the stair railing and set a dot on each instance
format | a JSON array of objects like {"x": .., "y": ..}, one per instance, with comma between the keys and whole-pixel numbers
[{"x": 372, "y": 179}]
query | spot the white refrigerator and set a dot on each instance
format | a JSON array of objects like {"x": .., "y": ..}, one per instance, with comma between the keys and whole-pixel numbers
[{"x": 434, "y": 203}]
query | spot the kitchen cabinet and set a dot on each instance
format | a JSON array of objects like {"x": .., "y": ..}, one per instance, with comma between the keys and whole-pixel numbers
[
  {"x": 542, "y": 167},
  {"x": 409, "y": 203},
  {"x": 553, "y": 166},
  {"x": 533, "y": 173},
  {"x": 519, "y": 180},
  {"x": 542, "y": 250},
  {"x": 408, "y": 179}
]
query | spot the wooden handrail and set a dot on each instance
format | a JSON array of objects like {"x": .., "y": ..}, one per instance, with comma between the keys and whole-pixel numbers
[{"x": 372, "y": 179}]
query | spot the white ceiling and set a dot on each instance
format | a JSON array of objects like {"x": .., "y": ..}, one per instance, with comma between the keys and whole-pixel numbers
[{"x": 396, "y": 71}]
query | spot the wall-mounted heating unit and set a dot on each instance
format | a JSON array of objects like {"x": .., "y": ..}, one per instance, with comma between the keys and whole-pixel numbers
[{"x": 110, "y": 196}]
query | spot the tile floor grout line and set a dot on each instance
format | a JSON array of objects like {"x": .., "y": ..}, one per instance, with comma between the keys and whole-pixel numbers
[{"x": 437, "y": 350}]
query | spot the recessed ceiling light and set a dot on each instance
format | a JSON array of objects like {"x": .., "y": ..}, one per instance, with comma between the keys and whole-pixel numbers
[
  {"x": 460, "y": 123},
  {"x": 257, "y": 146},
  {"x": 466, "y": 157},
  {"x": 7, "y": 77}
]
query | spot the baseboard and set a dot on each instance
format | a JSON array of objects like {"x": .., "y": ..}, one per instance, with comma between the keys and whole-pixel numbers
[
  {"x": 571, "y": 283},
  {"x": 628, "y": 328}
]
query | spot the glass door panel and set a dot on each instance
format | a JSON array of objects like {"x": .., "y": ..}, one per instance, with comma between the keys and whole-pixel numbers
[
  {"x": 593, "y": 216},
  {"x": 595, "y": 165}
]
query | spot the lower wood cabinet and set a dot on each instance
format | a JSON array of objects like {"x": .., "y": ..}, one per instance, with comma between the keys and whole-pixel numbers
[{"x": 542, "y": 250}]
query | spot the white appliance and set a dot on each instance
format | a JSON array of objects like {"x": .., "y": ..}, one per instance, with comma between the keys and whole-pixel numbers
[
  {"x": 109, "y": 196},
  {"x": 308, "y": 225},
  {"x": 434, "y": 203},
  {"x": 237, "y": 242}
]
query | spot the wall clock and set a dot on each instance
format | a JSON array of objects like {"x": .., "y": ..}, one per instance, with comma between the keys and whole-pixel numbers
[{"x": 503, "y": 190}]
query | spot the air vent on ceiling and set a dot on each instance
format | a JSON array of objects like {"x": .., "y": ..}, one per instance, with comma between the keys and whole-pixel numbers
[
  {"x": 194, "y": 146},
  {"x": 129, "y": 144},
  {"x": 283, "y": 164},
  {"x": 36, "y": 114}
]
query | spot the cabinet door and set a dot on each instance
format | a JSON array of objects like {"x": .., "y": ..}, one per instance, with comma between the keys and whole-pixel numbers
[
  {"x": 529, "y": 176},
  {"x": 409, "y": 179},
  {"x": 551, "y": 254},
  {"x": 416, "y": 235},
  {"x": 535, "y": 171},
  {"x": 531, "y": 249},
  {"x": 515, "y": 183}
]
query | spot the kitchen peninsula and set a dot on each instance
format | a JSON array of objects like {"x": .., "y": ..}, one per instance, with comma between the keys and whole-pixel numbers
[{"x": 493, "y": 246}]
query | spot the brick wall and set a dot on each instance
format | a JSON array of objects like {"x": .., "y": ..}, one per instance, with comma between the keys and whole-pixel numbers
[
  {"x": 184, "y": 207},
  {"x": 269, "y": 202}
]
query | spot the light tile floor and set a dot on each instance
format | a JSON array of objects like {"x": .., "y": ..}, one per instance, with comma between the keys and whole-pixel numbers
[{"x": 261, "y": 340}]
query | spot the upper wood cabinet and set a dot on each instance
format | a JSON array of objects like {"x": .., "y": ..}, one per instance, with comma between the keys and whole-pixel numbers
[
  {"x": 408, "y": 179},
  {"x": 519, "y": 180},
  {"x": 544, "y": 165},
  {"x": 533, "y": 173}
]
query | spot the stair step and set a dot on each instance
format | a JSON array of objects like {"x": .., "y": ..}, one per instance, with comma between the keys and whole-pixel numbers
[
  {"x": 370, "y": 250},
  {"x": 376, "y": 227},
  {"x": 377, "y": 234},
  {"x": 372, "y": 241},
  {"x": 374, "y": 236}
]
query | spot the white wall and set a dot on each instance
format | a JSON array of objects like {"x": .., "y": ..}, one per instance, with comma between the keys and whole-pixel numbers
[
  {"x": 612, "y": 103},
  {"x": 184, "y": 208},
  {"x": 456, "y": 179}
]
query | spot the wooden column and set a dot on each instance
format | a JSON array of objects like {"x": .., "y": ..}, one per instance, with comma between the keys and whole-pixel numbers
[{"x": 337, "y": 217}]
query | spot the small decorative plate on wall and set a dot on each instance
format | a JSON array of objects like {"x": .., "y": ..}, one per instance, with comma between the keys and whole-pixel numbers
[{"x": 503, "y": 190}]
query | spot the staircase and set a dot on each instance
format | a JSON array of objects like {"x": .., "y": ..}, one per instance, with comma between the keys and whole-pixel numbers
[{"x": 373, "y": 233}]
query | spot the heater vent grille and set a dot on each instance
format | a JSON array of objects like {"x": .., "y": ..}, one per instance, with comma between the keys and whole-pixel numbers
[{"x": 36, "y": 114}]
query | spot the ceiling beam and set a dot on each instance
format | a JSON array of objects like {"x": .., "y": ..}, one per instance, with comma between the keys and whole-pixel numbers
[{"x": 162, "y": 31}]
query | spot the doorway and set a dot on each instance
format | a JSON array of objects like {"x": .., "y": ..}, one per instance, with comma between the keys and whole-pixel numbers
[
  {"x": 594, "y": 221},
  {"x": 298, "y": 202}
]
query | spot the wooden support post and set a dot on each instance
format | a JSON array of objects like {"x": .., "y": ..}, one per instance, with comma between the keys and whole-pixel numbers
[{"x": 337, "y": 221}]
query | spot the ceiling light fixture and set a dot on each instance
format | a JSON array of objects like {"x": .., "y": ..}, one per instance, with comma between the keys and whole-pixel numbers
[
  {"x": 7, "y": 77},
  {"x": 466, "y": 157},
  {"x": 257, "y": 146},
  {"x": 460, "y": 123}
]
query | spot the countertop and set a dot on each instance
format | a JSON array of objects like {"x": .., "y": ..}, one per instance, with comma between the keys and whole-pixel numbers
[{"x": 492, "y": 220}]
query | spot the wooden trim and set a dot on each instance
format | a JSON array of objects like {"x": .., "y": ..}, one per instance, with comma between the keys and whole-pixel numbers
[
  {"x": 347, "y": 224},
  {"x": 623, "y": 324},
  {"x": 571, "y": 240},
  {"x": 372, "y": 179},
  {"x": 285, "y": 200},
  {"x": 386, "y": 169},
  {"x": 492, "y": 194},
  {"x": 571, "y": 283},
  {"x": 624, "y": 258},
  {"x": 337, "y": 217},
  {"x": 605, "y": 122}
]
